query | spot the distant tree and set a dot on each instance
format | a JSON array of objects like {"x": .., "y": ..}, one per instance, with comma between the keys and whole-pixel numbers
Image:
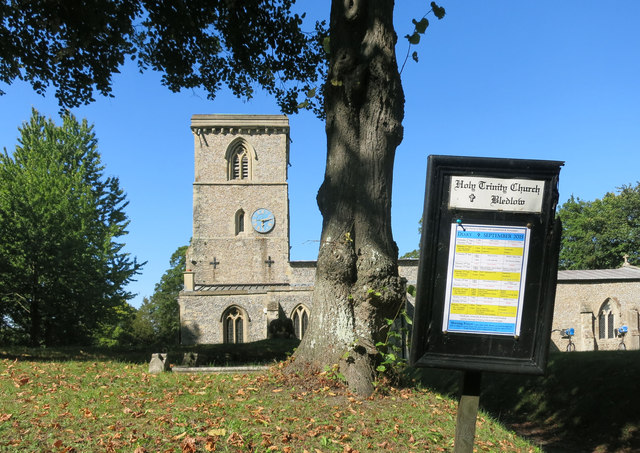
[
  {"x": 413, "y": 254},
  {"x": 62, "y": 269},
  {"x": 116, "y": 327},
  {"x": 348, "y": 73},
  {"x": 158, "y": 319},
  {"x": 599, "y": 234},
  {"x": 142, "y": 326}
]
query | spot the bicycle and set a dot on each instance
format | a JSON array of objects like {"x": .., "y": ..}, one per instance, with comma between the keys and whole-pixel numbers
[
  {"x": 622, "y": 331},
  {"x": 571, "y": 346},
  {"x": 567, "y": 333}
]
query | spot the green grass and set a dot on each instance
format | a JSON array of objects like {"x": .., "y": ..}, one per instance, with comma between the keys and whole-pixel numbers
[
  {"x": 66, "y": 400},
  {"x": 587, "y": 401}
]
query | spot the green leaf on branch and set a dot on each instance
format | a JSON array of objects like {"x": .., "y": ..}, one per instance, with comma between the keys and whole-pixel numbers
[
  {"x": 421, "y": 26},
  {"x": 414, "y": 38},
  {"x": 414, "y": 55},
  {"x": 326, "y": 45},
  {"x": 438, "y": 11}
]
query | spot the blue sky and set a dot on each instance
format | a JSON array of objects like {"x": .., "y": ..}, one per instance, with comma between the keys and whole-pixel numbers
[{"x": 528, "y": 79}]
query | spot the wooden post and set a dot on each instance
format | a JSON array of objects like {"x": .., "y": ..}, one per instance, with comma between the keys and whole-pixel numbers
[{"x": 467, "y": 412}]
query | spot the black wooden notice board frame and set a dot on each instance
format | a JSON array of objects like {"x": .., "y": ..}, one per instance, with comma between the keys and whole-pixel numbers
[{"x": 527, "y": 353}]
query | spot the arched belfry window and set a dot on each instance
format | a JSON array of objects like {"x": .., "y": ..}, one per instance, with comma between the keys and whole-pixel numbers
[
  {"x": 300, "y": 318},
  {"x": 240, "y": 156},
  {"x": 239, "y": 222},
  {"x": 240, "y": 165},
  {"x": 234, "y": 322}
]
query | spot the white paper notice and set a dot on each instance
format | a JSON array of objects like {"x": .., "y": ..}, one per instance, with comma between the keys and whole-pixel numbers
[
  {"x": 496, "y": 194},
  {"x": 485, "y": 279}
]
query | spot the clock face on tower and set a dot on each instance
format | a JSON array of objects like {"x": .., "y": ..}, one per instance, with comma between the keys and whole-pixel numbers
[{"x": 263, "y": 220}]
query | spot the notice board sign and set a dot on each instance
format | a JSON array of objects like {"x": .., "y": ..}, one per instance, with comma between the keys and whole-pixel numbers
[
  {"x": 488, "y": 264},
  {"x": 486, "y": 275}
]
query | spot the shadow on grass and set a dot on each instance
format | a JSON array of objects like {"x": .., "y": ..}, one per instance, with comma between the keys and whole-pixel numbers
[
  {"x": 587, "y": 401},
  {"x": 258, "y": 352}
]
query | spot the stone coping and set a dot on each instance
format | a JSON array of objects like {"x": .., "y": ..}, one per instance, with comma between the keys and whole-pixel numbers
[
  {"x": 238, "y": 119},
  {"x": 238, "y": 124}
]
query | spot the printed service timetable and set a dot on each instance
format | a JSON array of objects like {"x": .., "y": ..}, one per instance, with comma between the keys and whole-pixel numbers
[{"x": 485, "y": 279}]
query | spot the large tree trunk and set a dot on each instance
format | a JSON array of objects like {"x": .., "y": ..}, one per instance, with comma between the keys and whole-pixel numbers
[{"x": 357, "y": 285}]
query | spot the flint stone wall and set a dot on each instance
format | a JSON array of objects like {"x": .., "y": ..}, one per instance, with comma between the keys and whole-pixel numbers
[{"x": 578, "y": 304}]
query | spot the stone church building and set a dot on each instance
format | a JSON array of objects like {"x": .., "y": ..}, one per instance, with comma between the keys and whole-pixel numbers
[
  {"x": 597, "y": 305},
  {"x": 239, "y": 277},
  {"x": 241, "y": 286}
]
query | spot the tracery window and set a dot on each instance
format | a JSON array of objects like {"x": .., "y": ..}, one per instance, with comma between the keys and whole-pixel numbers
[
  {"x": 239, "y": 160},
  {"x": 233, "y": 322},
  {"x": 610, "y": 329},
  {"x": 300, "y": 319},
  {"x": 606, "y": 321},
  {"x": 240, "y": 165}
]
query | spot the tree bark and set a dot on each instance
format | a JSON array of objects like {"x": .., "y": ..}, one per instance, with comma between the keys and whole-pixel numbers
[{"x": 357, "y": 285}]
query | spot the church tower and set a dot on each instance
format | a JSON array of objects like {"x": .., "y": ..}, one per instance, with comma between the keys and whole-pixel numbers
[
  {"x": 240, "y": 200},
  {"x": 239, "y": 285}
]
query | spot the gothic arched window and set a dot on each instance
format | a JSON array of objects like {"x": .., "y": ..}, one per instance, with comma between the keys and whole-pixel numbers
[
  {"x": 300, "y": 319},
  {"x": 606, "y": 321},
  {"x": 240, "y": 165},
  {"x": 233, "y": 321},
  {"x": 239, "y": 160},
  {"x": 610, "y": 328}
]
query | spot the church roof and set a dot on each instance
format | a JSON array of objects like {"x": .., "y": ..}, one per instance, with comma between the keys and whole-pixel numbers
[
  {"x": 243, "y": 288},
  {"x": 626, "y": 272}
]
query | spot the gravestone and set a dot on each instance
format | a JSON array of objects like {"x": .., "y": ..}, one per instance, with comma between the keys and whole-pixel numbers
[
  {"x": 158, "y": 363},
  {"x": 190, "y": 359}
]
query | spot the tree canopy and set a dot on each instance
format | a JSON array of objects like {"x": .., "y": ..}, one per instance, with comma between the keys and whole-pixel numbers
[
  {"x": 62, "y": 267},
  {"x": 599, "y": 234},
  {"x": 77, "y": 47},
  {"x": 348, "y": 72}
]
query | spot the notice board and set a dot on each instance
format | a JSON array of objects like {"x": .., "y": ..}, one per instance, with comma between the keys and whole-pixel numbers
[{"x": 488, "y": 264}]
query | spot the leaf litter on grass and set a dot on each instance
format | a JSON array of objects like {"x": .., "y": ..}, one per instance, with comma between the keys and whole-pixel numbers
[{"x": 110, "y": 406}]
